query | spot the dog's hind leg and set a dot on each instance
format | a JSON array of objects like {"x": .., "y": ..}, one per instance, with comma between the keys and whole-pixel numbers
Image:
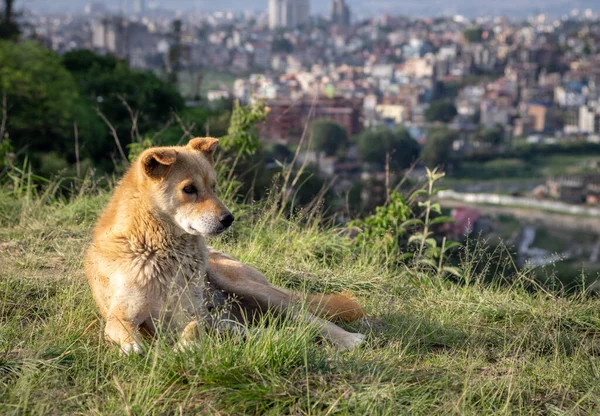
[
  {"x": 267, "y": 297},
  {"x": 343, "y": 339}
]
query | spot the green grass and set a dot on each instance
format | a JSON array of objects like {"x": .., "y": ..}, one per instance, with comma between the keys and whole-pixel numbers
[
  {"x": 540, "y": 167},
  {"x": 434, "y": 347}
]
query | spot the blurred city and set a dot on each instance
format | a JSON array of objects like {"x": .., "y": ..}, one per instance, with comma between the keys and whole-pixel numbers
[{"x": 508, "y": 106}]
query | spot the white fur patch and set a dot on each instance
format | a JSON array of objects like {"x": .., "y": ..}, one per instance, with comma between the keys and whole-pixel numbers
[{"x": 194, "y": 224}]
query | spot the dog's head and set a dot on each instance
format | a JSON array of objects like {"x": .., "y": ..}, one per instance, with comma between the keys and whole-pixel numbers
[{"x": 182, "y": 185}]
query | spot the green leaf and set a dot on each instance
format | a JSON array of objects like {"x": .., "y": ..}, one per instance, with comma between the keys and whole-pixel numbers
[
  {"x": 411, "y": 223},
  {"x": 417, "y": 238},
  {"x": 433, "y": 252},
  {"x": 451, "y": 244},
  {"x": 441, "y": 220},
  {"x": 436, "y": 208},
  {"x": 406, "y": 256},
  {"x": 416, "y": 194},
  {"x": 431, "y": 242}
]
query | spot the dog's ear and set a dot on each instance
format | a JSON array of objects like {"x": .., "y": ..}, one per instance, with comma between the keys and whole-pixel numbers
[
  {"x": 156, "y": 162},
  {"x": 205, "y": 145}
]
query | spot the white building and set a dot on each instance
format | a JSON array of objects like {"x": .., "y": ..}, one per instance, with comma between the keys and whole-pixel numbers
[
  {"x": 288, "y": 14},
  {"x": 589, "y": 120},
  {"x": 123, "y": 38},
  {"x": 110, "y": 35}
]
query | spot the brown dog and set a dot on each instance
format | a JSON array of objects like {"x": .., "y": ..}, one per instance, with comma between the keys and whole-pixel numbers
[{"x": 149, "y": 264}]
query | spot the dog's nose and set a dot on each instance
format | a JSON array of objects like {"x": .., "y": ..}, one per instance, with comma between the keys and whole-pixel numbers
[{"x": 227, "y": 219}]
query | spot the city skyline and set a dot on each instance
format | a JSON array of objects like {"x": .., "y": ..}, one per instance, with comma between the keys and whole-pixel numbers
[
  {"x": 360, "y": 8},
  {"x": 288, "y": 14}
]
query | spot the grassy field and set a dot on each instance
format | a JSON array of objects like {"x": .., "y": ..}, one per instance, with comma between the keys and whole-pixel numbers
[
  {"x": 433, "y": 346},
  {"x": 538, "y": 167}
]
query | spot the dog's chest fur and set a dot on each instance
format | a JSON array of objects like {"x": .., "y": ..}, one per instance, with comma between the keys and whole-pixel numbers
[
  {"x": 162, "y": 261},
  {"x": 171, "y": 271}
]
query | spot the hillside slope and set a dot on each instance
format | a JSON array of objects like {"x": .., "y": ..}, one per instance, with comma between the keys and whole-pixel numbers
[{"x": 434, "y": 347}]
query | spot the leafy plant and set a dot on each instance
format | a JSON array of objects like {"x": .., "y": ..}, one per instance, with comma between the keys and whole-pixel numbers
[
  {"x": 395, "y": 220},
  {"x": 428, "y": 252},
  {"x": 390, "y": 221},
  {"x": 242, "y": 135},
  {"x": 136, "y": 148}
]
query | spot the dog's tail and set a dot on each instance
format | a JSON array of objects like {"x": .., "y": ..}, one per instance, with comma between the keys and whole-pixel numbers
[{"x": 341, "y": 307}]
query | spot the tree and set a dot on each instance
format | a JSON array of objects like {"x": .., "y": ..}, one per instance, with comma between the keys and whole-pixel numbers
[
  {"x": 441, "y": 110},
  {"x": 375, "y": 145},
  {"x": 43, "y": 102},
  {"x": 493, "y": 136},
  {"x": 473, "y": 35},
  {"x": 282, "y": 45},
  {"x": 438, "y": 147},
  {"x": 108, "y": 81},
  {"x": 328, "y": 137},
  {"x": 110, "y": 85},
  {"x": 9, "y": 29}
]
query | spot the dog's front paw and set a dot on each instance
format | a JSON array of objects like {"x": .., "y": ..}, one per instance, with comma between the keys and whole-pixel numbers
[
  {"x": 350, "y": 341},
  {"x": 131, "y": 347}
]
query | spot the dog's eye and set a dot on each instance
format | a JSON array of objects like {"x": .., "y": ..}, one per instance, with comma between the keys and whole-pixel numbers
[{"x": 190, "y": 189}]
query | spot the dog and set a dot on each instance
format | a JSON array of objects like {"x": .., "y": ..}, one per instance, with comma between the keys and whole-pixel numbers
[{"x": 149, "y": 266}]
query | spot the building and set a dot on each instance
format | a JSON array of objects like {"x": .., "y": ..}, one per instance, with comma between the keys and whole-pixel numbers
[
  {"x": 110, "y": 35},
  {"x": 288, "y": 14},
  {"x": 287, "y": 119},
  {"x": 122, "y": 38},
  {"x": 570, "y": 95},
  {"x": 340, "y": 13},
  {"x": 589, "y": 120},
  {"x": 392, "y": 115},
  {"x": 542, "y": 117},
  {"x": 416, "y": 48},
  {"x": 495, "y": 111},
  {"x": 568, "y": 190},
  {"x": 139, "y": 6}
]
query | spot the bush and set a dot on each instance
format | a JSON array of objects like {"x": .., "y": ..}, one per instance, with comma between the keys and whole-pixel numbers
[{"x": 441, "y": 111}]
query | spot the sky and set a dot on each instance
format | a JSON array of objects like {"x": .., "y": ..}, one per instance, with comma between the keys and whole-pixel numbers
[{"x": 362, "y": 8}]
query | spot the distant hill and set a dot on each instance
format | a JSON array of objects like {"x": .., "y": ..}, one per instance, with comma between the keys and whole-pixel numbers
[{"x": 360, "y": 7}]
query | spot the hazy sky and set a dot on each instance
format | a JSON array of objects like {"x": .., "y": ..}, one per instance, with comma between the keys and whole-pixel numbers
[{"x": 359, "y": 7}]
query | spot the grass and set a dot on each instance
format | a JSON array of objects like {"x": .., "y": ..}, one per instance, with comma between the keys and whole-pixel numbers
[
  {"x": 540, "y": 167},
  {"x": 433, "y": 346}
]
